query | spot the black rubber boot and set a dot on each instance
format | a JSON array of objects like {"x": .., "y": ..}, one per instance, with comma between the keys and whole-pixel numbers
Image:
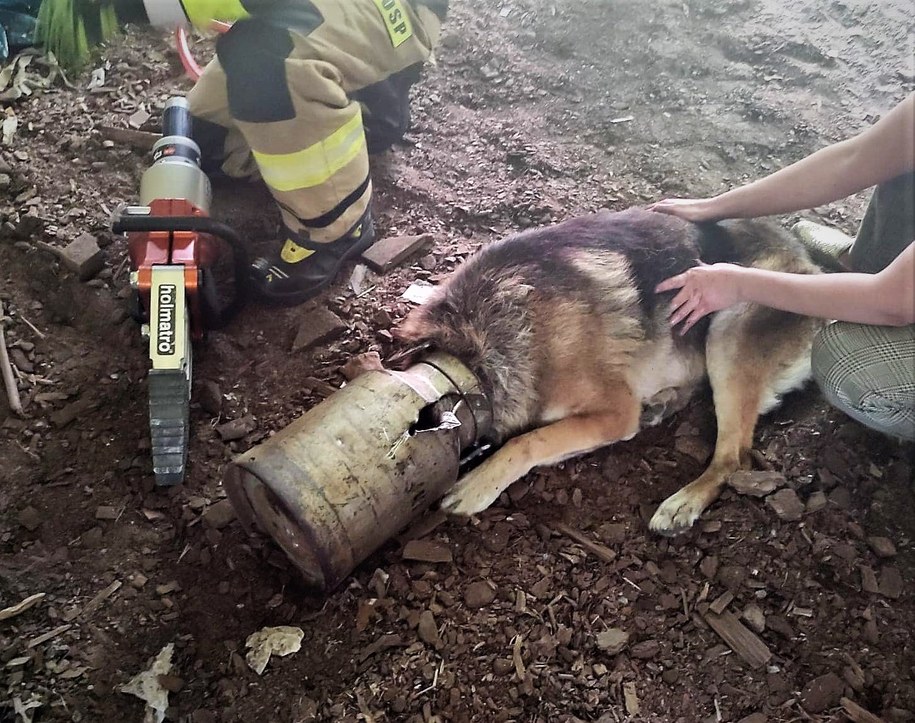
[{"x": 288, "y": 284}]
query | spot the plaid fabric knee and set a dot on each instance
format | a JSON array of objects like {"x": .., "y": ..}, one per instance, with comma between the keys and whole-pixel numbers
[{"x": 869, "y": 373}]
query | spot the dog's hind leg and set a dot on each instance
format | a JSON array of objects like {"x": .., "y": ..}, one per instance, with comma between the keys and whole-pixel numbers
[
  {"x": 547, "y": 445},
  {"x": 752, "y": 359},
  {"x": 736, "y": 404}
]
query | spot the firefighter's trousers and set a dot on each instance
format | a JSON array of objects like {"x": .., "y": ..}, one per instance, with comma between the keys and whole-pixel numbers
[{"x": 288, "y": 95}]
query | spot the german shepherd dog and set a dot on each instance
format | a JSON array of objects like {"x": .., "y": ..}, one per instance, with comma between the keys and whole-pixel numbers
[{"x": 574, "y": 350}]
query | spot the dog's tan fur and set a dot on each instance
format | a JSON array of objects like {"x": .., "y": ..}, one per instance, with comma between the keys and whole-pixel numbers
[{"x": 562, "y": 328}]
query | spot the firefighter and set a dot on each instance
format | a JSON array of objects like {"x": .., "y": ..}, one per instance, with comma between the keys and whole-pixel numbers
[{"x": 300, "y": 93}]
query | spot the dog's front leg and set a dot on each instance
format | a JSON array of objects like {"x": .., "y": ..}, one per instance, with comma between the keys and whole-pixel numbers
[{"x": 551, "y": 444}]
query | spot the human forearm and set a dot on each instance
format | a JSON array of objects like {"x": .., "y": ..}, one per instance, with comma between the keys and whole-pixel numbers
[
  {"x": 883, "y": 151},
  {"x": 850, "y": 297},
  {"x": 886, "y": 299},
  {"x": 817, "y": 179}
]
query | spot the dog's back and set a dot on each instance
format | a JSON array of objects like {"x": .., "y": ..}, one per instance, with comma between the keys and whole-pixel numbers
[
  {"x": 574, "y": 350},
  {"x": 550, "y": 317}
]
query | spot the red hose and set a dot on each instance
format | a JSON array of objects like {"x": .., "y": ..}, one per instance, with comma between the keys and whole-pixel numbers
[{"x": 184, "y": 50}]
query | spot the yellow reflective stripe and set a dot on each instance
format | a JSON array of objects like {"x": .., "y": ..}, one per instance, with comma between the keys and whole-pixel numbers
[
  {"x": 396, "y": 21},
  {"x": 314, "y": 165},
  {"x": 202, "y": 12},
  {"x": 292, "y": 253}
]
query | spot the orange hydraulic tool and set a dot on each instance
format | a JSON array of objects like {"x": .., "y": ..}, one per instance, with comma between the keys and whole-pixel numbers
[{"x": 173, "y": 249}]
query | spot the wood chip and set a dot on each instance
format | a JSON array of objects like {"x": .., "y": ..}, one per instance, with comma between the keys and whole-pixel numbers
[
  {"x": 857, "y": 714},
  {"x": 756, "y": 484},
  {"x": 787, "y": 505},
  {"x": 319, "y": 326},
  {"x": 388, "y": 252},
  {"x": 869, "y": 579},
  {"x": 516, "y": 657},
  {"x": 35, "y": 642},
  {"x": 100, "y": 598},
  {"x": 106, "y": 512},
  {"x": 141, "y": 140},
  {"x": 631, "y": 698},
  {"x": 595, "y": 548},
  {"x": 20, "y": 607},
  {"x": 882, "y": 546},
  {"x": 741, "y": 639},
  {"x": 721, "y": 602},
  {"x": 427, "y": 551}
]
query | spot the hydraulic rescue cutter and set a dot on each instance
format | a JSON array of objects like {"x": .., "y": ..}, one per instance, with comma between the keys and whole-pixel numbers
[{"x": 174, "y": 247}]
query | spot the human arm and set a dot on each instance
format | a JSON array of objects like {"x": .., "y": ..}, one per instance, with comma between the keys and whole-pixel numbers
[
  {"x": 877, "y": 154},
  {"x": 886, "y": 298}
]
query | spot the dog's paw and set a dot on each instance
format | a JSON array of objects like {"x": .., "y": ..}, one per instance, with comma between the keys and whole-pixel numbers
[
  {"x": 677, "y": 514},
  {"x": 468, "y": 497}
]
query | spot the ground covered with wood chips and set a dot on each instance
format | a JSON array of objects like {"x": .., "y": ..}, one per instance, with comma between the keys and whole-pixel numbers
[{"x": 557, "y": 604}]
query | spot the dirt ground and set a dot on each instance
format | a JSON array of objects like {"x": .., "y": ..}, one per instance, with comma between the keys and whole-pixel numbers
[{"x": 534, "y": 112}]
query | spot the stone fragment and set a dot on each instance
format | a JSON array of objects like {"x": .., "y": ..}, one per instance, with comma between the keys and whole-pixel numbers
[
  {"x": 29, "y": 227},
  {"x": 236, "y": 428},
  {"x": 219, "y": 515},
  {"x": 709, "y": 566},
  {"x": 503, "y": 666},
  {"x": 841, "y": 497},
  {"x": 428, "y": 629},
  {"x": 645, "y": 650},
  {"x": 780, "y": 626},
  {"x": 854, "y": 676},
  {"x": 106, "y": 512},
  {"x": 881, "y": 546},
  {"x": 479, "y": 594},
  {"x": 83, "y": 256},
  {"x": 756, "y": 484},
  {"x": 30, "y": 518},
  {"x": 21, "y": 361},
  {"x": 822, "y": 693},
  {"x": 732, "y": 577},
  {"x": 172, "y": 683},
  {"x": 92, "y": 538},
  {"x": 786, "y": 505},
  {"x": 816, "y": 502},
  {"x": 387, "y": 253},
  {"x": 210, "y": 397},
  {"x": 870, "y": 632},
  {"x": 670, "y": 676},
  {"x": 613, "y": 640},
  {"x": 754, "y": 718},
  {"x": 63, "y": 417},
  {"x": 693, "y": 446},
  {"x": 754, "y": 617},
  {"x": 318, "y": 325},
  {"x": 891, "y": 582}
]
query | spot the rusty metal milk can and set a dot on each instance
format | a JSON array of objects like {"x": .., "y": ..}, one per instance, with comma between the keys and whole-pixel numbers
[{"x": 352, "y": 472}]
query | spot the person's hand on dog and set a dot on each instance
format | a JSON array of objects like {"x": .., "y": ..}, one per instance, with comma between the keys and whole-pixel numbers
[
  {"x": 703, "y": 289},
  {"x": 696, "y": 210}
]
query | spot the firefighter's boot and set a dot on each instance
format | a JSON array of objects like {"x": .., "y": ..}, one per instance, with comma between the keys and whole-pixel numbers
[{"x": 296, "y": 273}]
